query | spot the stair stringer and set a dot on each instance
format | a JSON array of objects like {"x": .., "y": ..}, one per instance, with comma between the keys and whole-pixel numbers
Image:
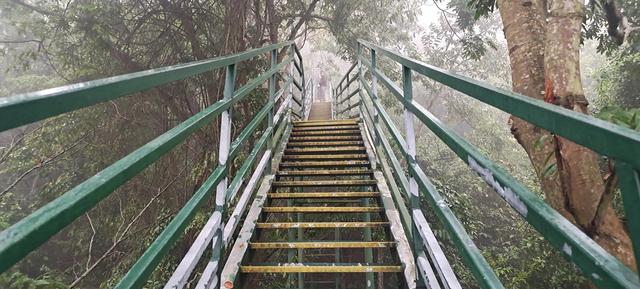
[
  {"x": 397, "y": 230},
  {"x": 231, "y": 268}
]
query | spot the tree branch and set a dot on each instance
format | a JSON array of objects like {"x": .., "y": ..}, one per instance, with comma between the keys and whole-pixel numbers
[
  {"x": 44, "y": 163},
  {"x": 618, "y": 24},
  {"x": 124, "y": 235}
]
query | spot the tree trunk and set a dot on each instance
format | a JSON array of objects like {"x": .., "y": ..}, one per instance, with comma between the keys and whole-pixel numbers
[
  {"x": 523, "y": 24},
  {"x": 581, "y": 178},
  {"x": 544, "y": 52}
]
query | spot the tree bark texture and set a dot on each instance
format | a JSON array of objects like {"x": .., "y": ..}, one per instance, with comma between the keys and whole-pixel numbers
[{"x": 543, "y": 38}]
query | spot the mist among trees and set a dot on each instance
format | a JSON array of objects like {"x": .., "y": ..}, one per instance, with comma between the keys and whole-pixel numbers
[{"x": 583, "y": 56}]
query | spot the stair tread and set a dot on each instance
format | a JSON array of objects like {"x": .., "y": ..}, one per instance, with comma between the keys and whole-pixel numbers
[
  {"x": 328, "y": 127},
  {"x": 322, "y": 244},
  {"x": 297, "y": 138},
  {"x": 322, "y": 209},
  {"x": 324, "y": 164},
  {"x": 319, "y": 268},
  {"x": 326, "y": 157},
  {"x": 319, "y": 144},
  {"x": 331, "y": 149},
  {"x": 315, "y": 183},
  {"x": 275, "y": 225},
  {"x": 326, "y": 133},
  {"x": 324, "y": 172},
  {"x": 323, "y": 195}
]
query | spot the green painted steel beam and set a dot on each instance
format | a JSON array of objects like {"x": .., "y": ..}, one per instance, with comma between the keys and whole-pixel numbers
[
  {"x": 396, "y": 168},
  {"x": 466, "y": 247},
  {"x": 386, "y": 119},
  {"x": 248, "y": 131},
  {"x": 139, "y": 273},
  {"x": 349, "y": 96},
  {"x": 603, "y": 137},
  {"x": 599, "y": 266},
  {"x": 348, "y": 108},
  {"x": 297, "y": 66},
  {"x": 297, "y": 84},
  {"x": 353, "y": 66},
  {"x": 247, "y": 165},
  {"x": 30, "y": 232},
  {"x": 297, "y": 100},
  {"x": 395, "y": 175},
  {"x": 51, "y": 102},
  {"x": 629, "y": 181}
]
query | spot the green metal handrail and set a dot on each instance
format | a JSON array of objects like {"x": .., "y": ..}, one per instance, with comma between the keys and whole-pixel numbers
[
  {"x": 621, "y": 144},
  {"x": 32, "y": 231}
]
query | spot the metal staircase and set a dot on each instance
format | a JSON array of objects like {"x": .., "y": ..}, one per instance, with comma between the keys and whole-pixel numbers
[
  {"x": 322, "y": 222},
  {"x": 339, "y": 203}
]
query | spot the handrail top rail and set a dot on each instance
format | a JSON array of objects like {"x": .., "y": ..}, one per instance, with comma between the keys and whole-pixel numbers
[
  {"x": 346, "y": 74},
  {"x": 604, "y": 137},
  {"x": 54, "y": 101}
]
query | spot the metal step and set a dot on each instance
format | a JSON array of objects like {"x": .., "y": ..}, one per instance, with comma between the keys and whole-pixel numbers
[
  {"x": 310, "y": 173},
  {"x": 322, "y": 132},
  {"x": 335, "y": 144},
  {"x": 326, "y": 128},
  {"x": 324, "y": 195},
  {"x": 325, "y": 157},
  {"x": 332, "y": 149},
  {"x": 325, "y": 164},
  {"x": 325, "y": 183},
  {"x": 327, "y": 138},
  {"x": 320, "y": 245},
  {"x": 320, "y": 225},
  {"x": 327, "y": 268},
  {"x": 322, "y": 209},
  {"x": 324, "y": 122}
]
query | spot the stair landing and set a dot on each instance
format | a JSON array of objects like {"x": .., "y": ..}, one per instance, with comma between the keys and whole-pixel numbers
[{"x": 320, "y": 111}]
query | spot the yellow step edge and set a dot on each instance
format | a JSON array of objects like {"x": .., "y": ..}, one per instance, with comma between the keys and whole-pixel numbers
[{"x": 322, "y": 209}]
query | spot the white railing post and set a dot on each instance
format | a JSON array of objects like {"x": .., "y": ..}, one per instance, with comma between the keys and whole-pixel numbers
[
  {"x": 374, "y": 91},
  {"x": 414, "y": 196},
  {"x": 223, "y": 155},
  {"x": 272, "y": 98}
]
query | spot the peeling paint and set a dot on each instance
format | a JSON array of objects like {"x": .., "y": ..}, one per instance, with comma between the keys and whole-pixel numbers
[
  {"x": 567, "y": 249},
  {"x": 505, "y": 192}
]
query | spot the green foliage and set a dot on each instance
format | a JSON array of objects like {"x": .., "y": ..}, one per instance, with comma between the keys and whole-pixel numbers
[
  {"x": 595, "y": 26},
  {"x": 475, "y": 42},
  {"x": 619, "y": 81},
  {"x": 18, "y": 280},
  {"x": 629, "y": 118},
  {"x": 482, "y": 7}
]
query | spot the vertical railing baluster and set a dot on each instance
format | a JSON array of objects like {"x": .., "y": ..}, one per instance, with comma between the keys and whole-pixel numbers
[
  {"x": 359, "y": 83},
  {"x": 629, "y": 180},
  {"x": 374, "y": 91},
  {"x": 223, "y": 155},
  {"x": 369, "y": 253},
  {"x": 272, "y": 97},
  {"x": 410, "y": 135}
]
